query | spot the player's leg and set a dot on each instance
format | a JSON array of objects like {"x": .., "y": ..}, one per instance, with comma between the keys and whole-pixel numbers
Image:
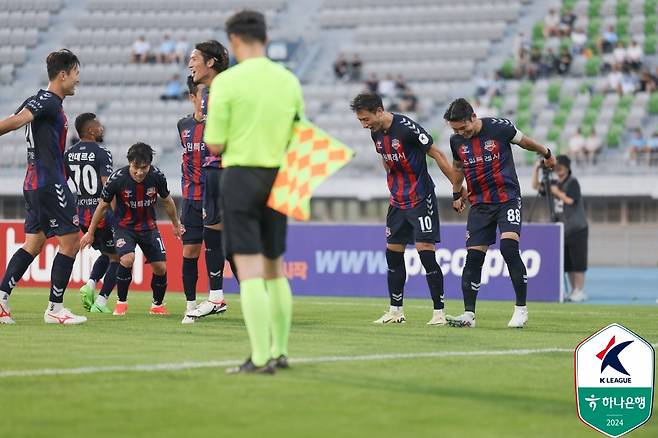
[
  {"x": 425, "y": 221},
  {"x": 192, "y": 220},
  {"x": 212, "y": 237},
  {"x": 154, "y": 250},
  {"x": 274, "y": 229},
  {"x": 509, "y": 222},
  {"x": 105, "y": 237},
  {"x": 125, "y": 247}
]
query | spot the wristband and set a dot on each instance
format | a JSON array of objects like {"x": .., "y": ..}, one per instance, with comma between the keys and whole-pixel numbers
[
  {"x": 456, "y": 196},
  {"x": 548, "y": 154}
]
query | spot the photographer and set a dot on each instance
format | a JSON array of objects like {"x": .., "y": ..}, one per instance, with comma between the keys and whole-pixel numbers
[{"x": 564, "y": 192}]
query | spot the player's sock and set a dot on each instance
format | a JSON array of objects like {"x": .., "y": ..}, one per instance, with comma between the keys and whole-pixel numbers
[
  {"x": 256, "y": 313},
  {"x": 54, "y": 307},
  {"x": 101, "y": 300},
  {"x": 60, "y": 274},
  {"x": 124, "y": 277},
  {"x": 17, "y": 266},
  {"x": 214, "y": 258},
  {"x": 98, "y": 270},
  {"x": 281, "y": 312},
  {"x": 396, "y": 276},
  {"x": 110, "y": 280},
  {"x": 190, "y": 277},
  {"x": 234, "y": 267},
  {"x": 509, "y": 248},
  {"x": 471, "y": 278},
  {"x": 434, "y": 277},
  {"x": 216, "y": 295},
  {"x": 159, "y": 286},
  {"x": 4, "y": 297},
  {"x": 190, "y": 305}
]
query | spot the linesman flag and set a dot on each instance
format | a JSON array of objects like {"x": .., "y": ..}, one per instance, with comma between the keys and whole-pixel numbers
[{"x": 312, "y": 156}]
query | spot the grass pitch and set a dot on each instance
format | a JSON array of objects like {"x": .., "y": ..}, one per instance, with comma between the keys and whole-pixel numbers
[{"x": 402, "y": 380}]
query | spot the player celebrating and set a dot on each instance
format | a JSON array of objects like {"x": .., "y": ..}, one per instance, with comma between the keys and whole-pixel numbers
[
  {"x": 50, "y": 204},
  {"x": 481, "y": 149},
  {"x": 136, "y": 188},
  {"x": 413, "y": 215},
  {"x": 89, "y": 165},
  {"x": 207, "y": 60}
]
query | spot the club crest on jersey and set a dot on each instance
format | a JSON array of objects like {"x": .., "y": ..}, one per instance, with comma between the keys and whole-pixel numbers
[
  {"x": 120, "y": 243},
  {"x": 151, "y": 191},
  {"x": 396, "y": 144},
  {"x": 464, "y": 149},
  {"x": 490, "y": 145}
]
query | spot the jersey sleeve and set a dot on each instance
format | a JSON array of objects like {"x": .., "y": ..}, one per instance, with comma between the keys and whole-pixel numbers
[
  {"x": 111, "y": 187},
  {"x": 161, "y": 183},
  {"x": 43, "y": 106},
  {"x": 219, "y": 113},
  {"x": 454, "y": 148},
  {"x": 105, "y": 162},
  {"x": 508, "y": 130},
  {"x": 417, "y": 135}
]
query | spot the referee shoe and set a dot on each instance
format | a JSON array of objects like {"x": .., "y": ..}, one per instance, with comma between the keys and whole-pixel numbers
[{"x": 248, "y": 367}]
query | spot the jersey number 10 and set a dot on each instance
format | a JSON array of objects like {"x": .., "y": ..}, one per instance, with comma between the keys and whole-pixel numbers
[{"x": 85, "y": 176}]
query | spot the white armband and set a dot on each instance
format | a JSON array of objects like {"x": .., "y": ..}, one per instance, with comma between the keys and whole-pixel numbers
[{"x": 518, "y": 137}]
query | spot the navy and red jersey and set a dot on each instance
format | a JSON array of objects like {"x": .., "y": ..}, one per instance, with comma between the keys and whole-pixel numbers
[
  {"x": 86, "y": 163},
  {"x": 135, "y": 206},
  {"x": 488, "y": 162},
  {"x": 46, "y": 140},
  {"x": 214, "y": 161},
  {"x": 193, "y": 176},
  {"x": 404, "y": 147}
]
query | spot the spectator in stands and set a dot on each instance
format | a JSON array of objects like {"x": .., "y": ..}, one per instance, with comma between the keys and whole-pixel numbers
[
  {"x": 652, "y": 146},
  {"x": 482, "y": 110},
  {"x": 563, "y": 63},
  {"x": 551, "y": 24},
  {"x": 592, "y": 146},
  {"x": 638, "y": 147},
  {"x": 166, "y": 50},
  {"x": 341, "y": 67},
  {"x": 372, "y": 83},
  {"x": 608, "y": 40},
  {"x": 567, "y": 20},
  {"x": 578, "y": 41},
  {"x": 645, "y": 83},
  {"x": 634, "y": 56},
  {"x": 173, "y": 89},
  {"x": 569, "y": 210},
  {"x": 482, "y": 84},
  {"x": 548, "y": 63},
  {"x": 520, "y": 48},
  {"x": 355, "y": 68},
  {"x": 534, "y": 67},
  {"x": 140, "y": 50},
  {"x": 577, "y": 148},
  {"x": 614, "y": 80},
  {"x": 628, "y": 82},
  {"x": 182, "y": 51},
  {"x": 408, "y": 101},
  {"x": 386, "y": 87},
  {"x": 619, "y": 53}
]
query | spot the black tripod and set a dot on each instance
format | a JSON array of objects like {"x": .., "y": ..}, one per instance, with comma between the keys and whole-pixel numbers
[{"x": 545, "y": 191}]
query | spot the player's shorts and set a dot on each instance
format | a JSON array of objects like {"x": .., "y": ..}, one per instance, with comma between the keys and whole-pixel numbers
[
  {"x": 150, "y": 242},
  {"x": 416, "y": 224},
  {"x": 103, "y": 239},
  {"x": 211, "y": 190},
  {"x": 483, "y": 219},
  {"x": 250, "y": 227},
  {"x": 192, "y": 218},
  {"x": 51, "y": 209},
  {"x": 575, "y": 251}
]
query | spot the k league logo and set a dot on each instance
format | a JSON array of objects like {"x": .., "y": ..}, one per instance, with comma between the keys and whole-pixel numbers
[{"x": 614, "y": 370}]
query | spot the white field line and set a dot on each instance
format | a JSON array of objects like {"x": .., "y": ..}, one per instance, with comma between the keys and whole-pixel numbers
[{"x": 177, "y": 366}]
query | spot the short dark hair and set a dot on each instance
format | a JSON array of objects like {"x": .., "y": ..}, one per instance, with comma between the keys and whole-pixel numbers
[
  {"x": 459, "y": 110},
  {"x": 191, "y": 85},
  {"x": 82, "y": 121},
  {"x": 248, "y": 25},
  {"x": 140, "y": 153},
  {"x": 367, "y": 101},
  {"x": 61, "y": 61},
  {"x": 213, "y": 49}
]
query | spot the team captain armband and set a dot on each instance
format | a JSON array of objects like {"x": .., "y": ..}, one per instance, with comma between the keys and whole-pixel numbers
[{"x": 518, "y": 137}]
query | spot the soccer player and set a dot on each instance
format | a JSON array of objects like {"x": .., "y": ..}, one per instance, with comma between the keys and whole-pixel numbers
[
  {"x": 89, "y": 165},
  {"x": 413, "y": 214},
  {"x": 136, "y": 188},
  {"x": 207, "y": 60},
  {"x": 481, "y": 150},
  {"x": 51, "y": 209},
  {"x": 251, "y": 112}
]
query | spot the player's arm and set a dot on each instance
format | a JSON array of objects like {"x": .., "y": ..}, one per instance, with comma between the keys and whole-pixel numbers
[
  {"x": 88, "y": 238},
  {"x": 442, "y": 162},
  {"x": 530, "y": 144},
  {"x": 13, "y": 122},
  {"x": 458, "y": 190},
  {"x": 170, "y": 208}
]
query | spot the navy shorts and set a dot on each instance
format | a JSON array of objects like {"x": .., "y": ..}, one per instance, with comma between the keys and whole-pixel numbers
[
  {"x": 51, "y": 209},
  {"x": 149, "y": 241},
  {"x": 192, "y": 219},
  {"x": 211, "y": 189},
  {"x": 416, "y": 224},
  {"x": 483, "y": 219},
  {"x": 103, "y": 239}
]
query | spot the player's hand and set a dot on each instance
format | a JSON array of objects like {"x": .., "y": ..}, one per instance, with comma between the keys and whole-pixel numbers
[
  {"x": 551, "y": 162},
  {"x": 179, "y": 231},
  {"x": 458, "y": 205},
  {"x": 86, "y": 240}
]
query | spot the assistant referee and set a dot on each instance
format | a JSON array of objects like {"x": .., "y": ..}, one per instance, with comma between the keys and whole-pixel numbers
[{"x": 251, "y": 111}]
